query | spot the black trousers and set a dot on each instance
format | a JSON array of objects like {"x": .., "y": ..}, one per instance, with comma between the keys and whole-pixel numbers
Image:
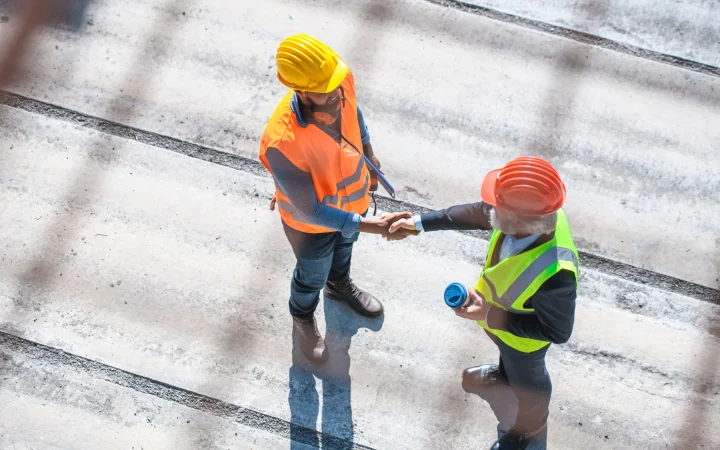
[{"x": 530, "y": 381}]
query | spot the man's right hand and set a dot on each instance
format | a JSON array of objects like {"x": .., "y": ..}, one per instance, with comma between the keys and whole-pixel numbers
[
  {"x": 382, "y": 226},
  {"x": 404, "y": 224}
]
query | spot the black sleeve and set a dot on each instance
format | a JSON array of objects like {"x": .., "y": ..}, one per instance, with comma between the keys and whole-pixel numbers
[
  {"x": 554, "y": 305},
  {"x": 473, "y": 216}
]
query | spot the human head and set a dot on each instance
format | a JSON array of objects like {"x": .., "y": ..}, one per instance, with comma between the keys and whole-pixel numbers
[
  {"x": 314, "y": 71},
  {"x": 525, "y": 194},
  {"x": 306, "y": 64}
]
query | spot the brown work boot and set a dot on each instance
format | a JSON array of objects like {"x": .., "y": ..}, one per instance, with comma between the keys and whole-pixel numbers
[
  {"x": 515, "y": 440},
  {"x": 312, "y": 343},
  {"x": 362, "y": 302},
  {"x": 482, "y": 375}
]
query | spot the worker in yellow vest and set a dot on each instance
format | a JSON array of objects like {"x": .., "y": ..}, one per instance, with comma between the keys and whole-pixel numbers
[
  {"x": 314, "y": 145},
  {"x": 525, "y": 298}
]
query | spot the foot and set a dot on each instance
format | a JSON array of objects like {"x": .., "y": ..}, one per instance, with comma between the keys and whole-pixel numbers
[
  {"x": 362, "y": 302},
  {"x": 514, "y": 440},
  {"x": 312, "y": 343},
  {"x": 482, "y": 375}
]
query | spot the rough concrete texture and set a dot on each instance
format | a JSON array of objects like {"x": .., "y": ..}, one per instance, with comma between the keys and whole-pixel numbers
[
  {"x": 48, "y": 407},
  {"x": 174, "y": 270},
  {"x": 448, "y": 95},
  {"x": 687, "y": 29}
]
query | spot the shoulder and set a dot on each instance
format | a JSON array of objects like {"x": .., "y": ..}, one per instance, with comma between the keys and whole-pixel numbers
[
  {"x": 348, "y": 84},
  {"x": 562, "y": 282},
  {"x": 280, "y": 129}
]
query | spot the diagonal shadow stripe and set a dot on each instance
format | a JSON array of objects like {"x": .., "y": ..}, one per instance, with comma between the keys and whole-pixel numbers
[
  {"x": 588, "y": 260},
  {"x": 168, "y": 392},
  {"x": 580, "y": 36}
]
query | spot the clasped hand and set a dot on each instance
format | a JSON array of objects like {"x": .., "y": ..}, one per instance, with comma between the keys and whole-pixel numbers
[{"x": 395, "y": 226}]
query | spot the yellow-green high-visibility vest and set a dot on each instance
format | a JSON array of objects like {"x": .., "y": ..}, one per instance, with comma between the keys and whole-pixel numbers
[{"x": 511, "y": 282}]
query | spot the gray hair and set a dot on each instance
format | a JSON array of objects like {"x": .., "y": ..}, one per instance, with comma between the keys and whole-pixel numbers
[{"x": 512, "y": 223}]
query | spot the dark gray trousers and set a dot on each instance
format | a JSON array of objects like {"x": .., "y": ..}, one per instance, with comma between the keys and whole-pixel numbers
[{"x": 530, "y": 381}]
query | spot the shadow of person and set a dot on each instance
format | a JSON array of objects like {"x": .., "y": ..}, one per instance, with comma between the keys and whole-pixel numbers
[
  {"x": 504, "y": 405},
  {"x": 337, "y": 420}
]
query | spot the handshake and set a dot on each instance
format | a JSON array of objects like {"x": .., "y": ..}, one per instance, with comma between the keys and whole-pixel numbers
[{"x": 393, "y": 226}]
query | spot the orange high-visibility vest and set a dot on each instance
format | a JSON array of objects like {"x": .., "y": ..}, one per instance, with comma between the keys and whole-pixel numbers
[{"x": 338, "y": 170}]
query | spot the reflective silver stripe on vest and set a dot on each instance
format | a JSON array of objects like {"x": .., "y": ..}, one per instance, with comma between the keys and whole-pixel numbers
[
  {"x": 297, "y": 215},
  {"x": 357, "y": 195},
  {"x": 344, "y": 183},
  {"x": 290, "y": 209},
  {"x": 526, "y": 278}
]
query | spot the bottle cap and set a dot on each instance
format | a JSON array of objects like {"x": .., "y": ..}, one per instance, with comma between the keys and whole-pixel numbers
[{"x": 456, "y": 295}]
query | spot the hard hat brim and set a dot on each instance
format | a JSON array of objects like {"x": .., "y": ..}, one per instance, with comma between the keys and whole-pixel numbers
[
  {"x": 337, "y": 77},
  {"x": 488, "y": 192}
]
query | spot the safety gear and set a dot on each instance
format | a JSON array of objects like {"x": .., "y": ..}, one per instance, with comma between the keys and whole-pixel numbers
[
  {"x": 311, "y": 341},
  {"x": 337, "y": 167},
  {"x": 508, "y": 284},
  {"x": 515, "y": 440},
  {"x": 306, "y": 64},
  {"x": 528, "y": 186},
  {"x": 482, "y": 375},
  {"x": 362, "y": 302}
]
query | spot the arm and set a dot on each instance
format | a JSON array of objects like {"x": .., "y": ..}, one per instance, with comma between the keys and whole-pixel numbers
[
  {"x": 554, "y": 305},
  {"x": 297, "y": 185},
  {"x": 474, "y": 216},
  {"x": 365, "y": 136},
  {"x": 364, "y": 132}
]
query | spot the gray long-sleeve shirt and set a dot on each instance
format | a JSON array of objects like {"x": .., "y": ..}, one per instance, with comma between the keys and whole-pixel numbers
[{"x": 554, "y": 301}]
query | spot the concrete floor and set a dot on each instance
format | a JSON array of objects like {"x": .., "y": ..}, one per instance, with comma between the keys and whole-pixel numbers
[
  {"x": 448, "y": 95},
  {"x": 172, "y": 269},
  {"x": 688, "y": 29}
]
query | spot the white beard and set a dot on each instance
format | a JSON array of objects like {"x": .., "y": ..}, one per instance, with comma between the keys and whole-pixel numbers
[
  {"x": 500, "y": 225},
  {"x": 534, "y": 225}
]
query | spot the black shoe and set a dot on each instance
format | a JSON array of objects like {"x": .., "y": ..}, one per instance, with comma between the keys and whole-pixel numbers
[
  {"x": 362, "y": 302},
  {"x": 312, "y": 343},
  {"x": 482, "y": 375},
  {"x": 515, "y": 440}
]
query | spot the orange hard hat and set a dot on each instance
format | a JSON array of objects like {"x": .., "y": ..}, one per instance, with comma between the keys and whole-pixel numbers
[
  {"x": 527, "y": 185},
  {"x": 304, "y": 63}
]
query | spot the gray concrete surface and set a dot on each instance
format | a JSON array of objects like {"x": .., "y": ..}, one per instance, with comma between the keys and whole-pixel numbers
[
  {"x": 448, "y": 96},
  {"x": 174, "y": 269},
  {"x": 46, "y": 407},
  {"x": 687, "y": 29}
]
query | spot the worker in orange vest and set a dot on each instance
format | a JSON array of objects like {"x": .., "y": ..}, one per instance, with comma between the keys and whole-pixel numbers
[{"x": 314, "y": 147}]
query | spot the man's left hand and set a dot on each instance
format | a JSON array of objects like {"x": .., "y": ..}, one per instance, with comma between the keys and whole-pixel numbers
[{"x": 477, "y": 311}]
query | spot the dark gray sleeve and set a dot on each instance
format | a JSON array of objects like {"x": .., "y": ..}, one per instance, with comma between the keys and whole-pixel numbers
[
  {"x": 473, "y": 216},
  {"x": 299, "y": 188},
  {"x": 554, "y": 305}
]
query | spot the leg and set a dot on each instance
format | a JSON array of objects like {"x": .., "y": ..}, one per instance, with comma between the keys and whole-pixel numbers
[
  {"x": 314, "y": 255},
  {"x": 501, "y": 369},
  {"x": 531, "y": 383},
  {"x": 314, "y": 258},
  {"x": 341, "y": 287},
  {"x": 342, "y": 257},
  {"x": 487, "y": 374}
]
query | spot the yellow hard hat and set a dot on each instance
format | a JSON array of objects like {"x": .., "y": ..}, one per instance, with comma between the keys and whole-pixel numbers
[{"x": 306, "y": 64}]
